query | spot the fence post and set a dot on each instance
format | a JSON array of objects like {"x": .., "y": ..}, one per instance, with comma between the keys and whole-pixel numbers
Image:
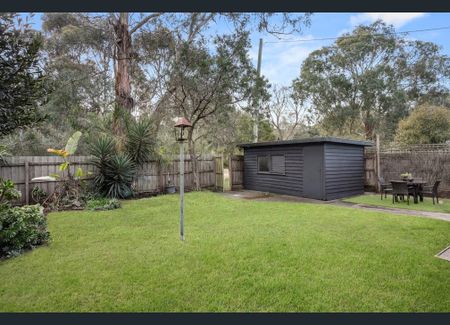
[
  {"x": 160, "y": 177},
  {"x": 378, "y": 160},
  {"x": 27, "y": 182},
  {"x": 230, "y": 171}
]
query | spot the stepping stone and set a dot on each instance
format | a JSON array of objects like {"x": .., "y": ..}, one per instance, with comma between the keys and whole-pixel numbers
[{"x": 444, "y": 254}]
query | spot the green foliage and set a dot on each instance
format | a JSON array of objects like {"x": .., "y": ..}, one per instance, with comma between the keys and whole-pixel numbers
[
  {"x": 72, "y": 143},
  {"x": 21, "y": 78},
  {"x": 103, "y": 204},
  {"x": 118, "y": 176},
  {"x": 115, "y": 171},
  {"x": 4, "y": 152},
  {"x": 426, "y": 124},
  {"x": 368, "y": 79},
  {"x": 38, "y": 195},
  {"x": 21, "y": 228},
  {"x": 140, "y": 141},
  {"x": 67, "y": 194},
  {"x": 8, "y": 193}
]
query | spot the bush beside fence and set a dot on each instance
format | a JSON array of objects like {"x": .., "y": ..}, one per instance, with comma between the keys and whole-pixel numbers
[{"x": 152, "y": 177}]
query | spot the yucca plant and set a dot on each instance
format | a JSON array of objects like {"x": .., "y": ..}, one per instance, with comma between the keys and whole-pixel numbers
[
  {"x": 115, "y": 171},
  {"x": 118, "y": 176},
  {"x": 140, "y": 141}
]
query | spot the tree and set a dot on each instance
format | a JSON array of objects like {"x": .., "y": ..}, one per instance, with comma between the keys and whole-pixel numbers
[
  {"x": 22, "y": 87},
  {"x": 287, "y": 114},
  {"x": 144, "y": 50},
  {"x": 205, "y": 83},
  {"x": 426, "y": 124},
  {"x": 368, "y": 79}
]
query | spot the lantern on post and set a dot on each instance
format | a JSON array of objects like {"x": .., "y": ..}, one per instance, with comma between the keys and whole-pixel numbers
[{"x": 181, "y": 124}]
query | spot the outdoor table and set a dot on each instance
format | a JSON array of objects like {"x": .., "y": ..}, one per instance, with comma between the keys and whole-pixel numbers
[{"x": 417, "y": 185}]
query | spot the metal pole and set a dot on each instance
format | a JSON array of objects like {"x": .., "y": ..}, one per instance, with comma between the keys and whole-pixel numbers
[
  {"x": 258, "y": 70},
  {"x": 181, "y": 190}
]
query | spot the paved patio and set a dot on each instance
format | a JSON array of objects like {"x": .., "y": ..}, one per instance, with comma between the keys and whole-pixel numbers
[{"x": 264, "y": 196}]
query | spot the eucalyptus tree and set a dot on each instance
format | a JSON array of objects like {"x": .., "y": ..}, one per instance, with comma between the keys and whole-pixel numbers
[
  {"x": 142, "y": 50},
  {"x": 369, "y": 79},
  {"x": 287, "y": 112}
]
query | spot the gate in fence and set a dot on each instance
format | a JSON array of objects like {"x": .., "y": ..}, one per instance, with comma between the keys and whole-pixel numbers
[{"x": 218, "y": 171}]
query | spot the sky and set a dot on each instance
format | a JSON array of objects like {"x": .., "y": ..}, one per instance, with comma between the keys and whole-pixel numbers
[{"x": 281, "y": 62}]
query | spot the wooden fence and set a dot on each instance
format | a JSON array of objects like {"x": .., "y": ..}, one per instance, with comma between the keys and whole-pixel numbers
[
  {"x": 428, "y": 162},
  {"x": 236, "y": 169},
  {"x": 152, "y": 178}
]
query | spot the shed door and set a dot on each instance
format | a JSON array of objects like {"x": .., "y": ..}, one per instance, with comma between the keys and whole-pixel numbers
[{"x": 313, "y": 171}]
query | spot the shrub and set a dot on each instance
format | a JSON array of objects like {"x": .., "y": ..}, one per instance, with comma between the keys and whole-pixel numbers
[
  {"x": 8, "y": 193},
  {"x": 3, "y": 154},
  {"x": 426, "y": 124},
  {"x": 119, "y": 172},
  {"x": 21, "y": 228},
  {"x": 38, "y": 194},
  {"x": 140, "y": 144},
  {"x": 115, "y": 170},
  {"x": 103, "y": 204}
]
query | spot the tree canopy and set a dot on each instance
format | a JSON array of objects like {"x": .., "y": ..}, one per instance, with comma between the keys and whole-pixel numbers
[
  {"x": 22, "y": 87},
  {"x": 425, "y": 125},
  {"x": 368, "y": 80}
]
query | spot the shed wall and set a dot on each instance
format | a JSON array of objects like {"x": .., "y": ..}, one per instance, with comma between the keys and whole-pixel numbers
[
  {"x": 290, "y": 183},
  {"x": 344, "y": 170}
]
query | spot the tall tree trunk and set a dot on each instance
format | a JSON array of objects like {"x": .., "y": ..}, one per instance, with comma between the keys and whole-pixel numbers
[
  {"x": 368, "y": 130},
  {"x": 122, "y": 87},
  {"x": 194, "y": 161}
]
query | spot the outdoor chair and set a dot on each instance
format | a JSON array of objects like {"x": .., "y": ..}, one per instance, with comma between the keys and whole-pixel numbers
[
  {"x": 401, "y": 189},
  {"x": 384, "y": 187},
  {"x": 432, "y": 191}
]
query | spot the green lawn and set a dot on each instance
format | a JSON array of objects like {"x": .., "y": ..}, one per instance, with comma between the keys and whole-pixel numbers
[
  {"x": 426, "y": 205},
  {"x": 239, "y": 255}
]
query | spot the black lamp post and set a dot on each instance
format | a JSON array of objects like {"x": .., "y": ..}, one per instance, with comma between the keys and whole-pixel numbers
[{"x": 181, "y": 124}]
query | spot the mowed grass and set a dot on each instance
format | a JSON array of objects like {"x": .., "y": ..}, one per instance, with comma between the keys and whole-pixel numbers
[
  {"x": 239, "y": 255},
  {"x": 426, "y": 205}
]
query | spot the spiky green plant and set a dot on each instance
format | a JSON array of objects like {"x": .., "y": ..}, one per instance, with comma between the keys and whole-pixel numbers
[
  {"x": 118, "y": 176},
  {"x": 115, "y": 171},
  {"x": 140, "y": 143}
]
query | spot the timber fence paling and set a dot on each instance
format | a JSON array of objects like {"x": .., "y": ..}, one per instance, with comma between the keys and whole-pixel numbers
[
  {"x": 236, "y": 172},
  {"x": 152, "y": 177},
  {"x": 428, "y": 162}
]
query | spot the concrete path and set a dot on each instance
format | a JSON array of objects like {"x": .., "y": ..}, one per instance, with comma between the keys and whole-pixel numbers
[{"x": 263, "y": 196}]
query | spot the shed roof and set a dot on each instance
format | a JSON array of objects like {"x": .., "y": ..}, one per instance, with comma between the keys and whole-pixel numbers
[{"x": 307, "y": 140}]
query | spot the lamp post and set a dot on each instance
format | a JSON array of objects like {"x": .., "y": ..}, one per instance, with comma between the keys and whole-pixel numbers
[{"x": 181, "y": 124}]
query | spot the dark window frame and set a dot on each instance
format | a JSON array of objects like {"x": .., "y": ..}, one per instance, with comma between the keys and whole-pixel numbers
[{"x": 270, "y": 172}]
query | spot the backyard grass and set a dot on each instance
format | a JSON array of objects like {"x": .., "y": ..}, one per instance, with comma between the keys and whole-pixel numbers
[
  {"x": 426, "y": 205},
  {"x": 239, "y": 255}
]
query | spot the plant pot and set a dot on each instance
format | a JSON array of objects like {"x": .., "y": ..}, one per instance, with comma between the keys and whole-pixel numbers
[{"x": 171, "y": 189}]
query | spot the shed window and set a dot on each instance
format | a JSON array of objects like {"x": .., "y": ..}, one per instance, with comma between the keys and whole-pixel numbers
[
  {"x": 277, "y": 164},
  {"x": 263, "y": 164}
]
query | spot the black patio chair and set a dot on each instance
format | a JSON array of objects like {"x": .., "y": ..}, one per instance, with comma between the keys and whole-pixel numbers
[
  {"x": 384, "y": 187},
  {"x": 432, "y": 190},
  {"x": 401, "y": 189}
]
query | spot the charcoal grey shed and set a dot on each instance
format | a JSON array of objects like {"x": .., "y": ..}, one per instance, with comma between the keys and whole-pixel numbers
[{"x": 323, "y": 168}]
